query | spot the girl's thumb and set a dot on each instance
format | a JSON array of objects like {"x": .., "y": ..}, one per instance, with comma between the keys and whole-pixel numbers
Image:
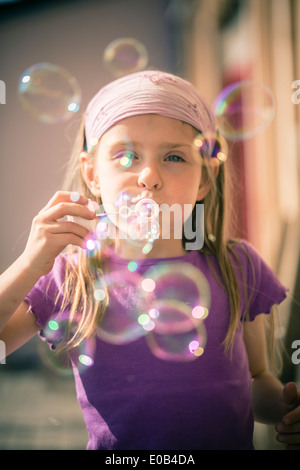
[{"x": 289, "y": 393}]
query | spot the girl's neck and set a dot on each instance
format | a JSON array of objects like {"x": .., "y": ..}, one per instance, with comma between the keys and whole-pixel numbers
[{"x": 160, "y": 249}]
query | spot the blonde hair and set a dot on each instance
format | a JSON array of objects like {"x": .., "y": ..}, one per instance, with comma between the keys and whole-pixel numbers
[{"x": 78, "y": 288}]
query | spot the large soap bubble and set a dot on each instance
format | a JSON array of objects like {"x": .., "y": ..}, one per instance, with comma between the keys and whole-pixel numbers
[
  {"x": 175, "y": 321},
  {"x": 181, "y": 282},
  {"x": 167, "y": 305},
  {"x": 125, "y": 55},
  {"x": 49, "y": 93},
  {"x": 244, "y": 109},
  {"x": 57, "y": 330}
]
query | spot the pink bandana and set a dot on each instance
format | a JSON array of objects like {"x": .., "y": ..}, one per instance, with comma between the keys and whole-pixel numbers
[{"x": 147, "y": 92}]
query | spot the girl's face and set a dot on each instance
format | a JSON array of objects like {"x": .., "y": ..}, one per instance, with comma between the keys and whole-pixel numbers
[{"x": 162, "y": 164}]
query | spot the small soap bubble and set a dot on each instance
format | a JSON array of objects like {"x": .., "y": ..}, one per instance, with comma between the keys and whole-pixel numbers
[
  {"x": 244, "y": 109},
  {"x": 125, "y": 55},
  {"x": 125, "y": 160},
  {"x": 91, "y": 244},
  {"x": 200, "y": 312},
  {"x": 49, "y": 93},
  {"x": 211, "y": 145},
  {"x": 99, "y": 294},
  {"x": 85, "y": 360},
  {"x": 147, "y": 209},
  {"x": 132, "y": 266},
  {"x": 75, "y": 196},
  {"x": 211, "y": 237},
  {"x": 148, "y": 285},
  {"x": 136, "y": 217}
]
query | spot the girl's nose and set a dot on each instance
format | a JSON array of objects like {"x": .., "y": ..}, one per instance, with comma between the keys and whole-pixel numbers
[{"x": 149, "y": 178}]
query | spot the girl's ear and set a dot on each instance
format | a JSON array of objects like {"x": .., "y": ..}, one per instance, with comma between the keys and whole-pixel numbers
[
  {"x": 204, "y": 187},
  {"x": 87, "y": 171}
]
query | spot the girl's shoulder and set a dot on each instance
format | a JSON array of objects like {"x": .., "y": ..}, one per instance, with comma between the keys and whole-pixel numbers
[
  {"x": 263, "y": 285},
  {"x": 243, "y": 251},
  {"x": 47, "y": 294},
  {"x": 63, "y": 264}
]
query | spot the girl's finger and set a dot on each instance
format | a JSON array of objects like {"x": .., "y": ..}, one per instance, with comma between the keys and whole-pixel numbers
[
  {"x": 69, "y": 227},
  {"x": 293, "y": 438},
  {"x": 62, "y": 209},
  {"x": 66, "y": 196},
  {"x": 71, "y": 239},
  {"x": 284, "y": 429},
  {"x": 292, "y": 417}
]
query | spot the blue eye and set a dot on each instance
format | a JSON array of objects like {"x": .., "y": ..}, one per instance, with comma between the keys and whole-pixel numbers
[
  {"x": 125, "y": 158},
  {"x": 125, "y": 154},
  {"x": 175, "y": 158}
]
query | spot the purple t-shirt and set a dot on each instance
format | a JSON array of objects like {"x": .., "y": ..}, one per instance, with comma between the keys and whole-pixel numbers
[{"x": 131, "y": 399}]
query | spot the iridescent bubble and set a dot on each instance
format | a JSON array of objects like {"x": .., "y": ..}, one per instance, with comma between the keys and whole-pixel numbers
[
  {"x": 57, "y": 330},
  {"x": 181, "y": 302},
  {"x": 132, "y": 266},
  {"x": 75, "y": 196},
  {"x": 104, "y": 227},
  {"x": 181, "y": 282},
  {"x": 210, "y": 145},
  {"x": 243, "y": 109},
  {"x": 49, "y": 93},
  {"x": 146, "y": 209},
  {"x": 135, "y": 215},
  {"x": 59, "y": 364},
  {"x": 125, "y": 55},
  {"x": 127, "y": 302},
  {"x": 83, "y": 355},
  {"x": 91, "y": 244}
]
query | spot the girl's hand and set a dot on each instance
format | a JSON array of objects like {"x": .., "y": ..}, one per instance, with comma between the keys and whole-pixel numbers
[
  {"x": 49, "y": 234},
  {"x": 289, "y": 428}
]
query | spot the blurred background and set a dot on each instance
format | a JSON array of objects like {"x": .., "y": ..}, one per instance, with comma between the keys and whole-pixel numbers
[{"x": 212, "y": 44}]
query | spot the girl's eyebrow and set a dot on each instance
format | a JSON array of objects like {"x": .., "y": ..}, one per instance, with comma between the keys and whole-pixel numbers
[{"x": 132, "y": 144}]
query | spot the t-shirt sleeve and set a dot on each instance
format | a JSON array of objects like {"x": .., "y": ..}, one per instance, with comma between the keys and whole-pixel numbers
[
  {"x": 45, "y": 298},
  {"x": 264, "y": 289}
]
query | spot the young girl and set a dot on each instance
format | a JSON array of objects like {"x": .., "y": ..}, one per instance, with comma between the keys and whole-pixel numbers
[{"x": 134, "y": 392}]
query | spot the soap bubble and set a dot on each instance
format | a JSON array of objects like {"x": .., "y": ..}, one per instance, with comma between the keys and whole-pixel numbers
[
  {"x": 49, "y": 93},
  {"x": 181, "y": 282},
  {"x": 243, "y": 109},
  {"x": 125, "y": 55},
  {"x": 58, "y": 329},
  {"x": 181, "y": 302},
  {"x": 167, "y": 305},
  {"x": 132, "y": 217},
  {"x": 210, "y": 145}
]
